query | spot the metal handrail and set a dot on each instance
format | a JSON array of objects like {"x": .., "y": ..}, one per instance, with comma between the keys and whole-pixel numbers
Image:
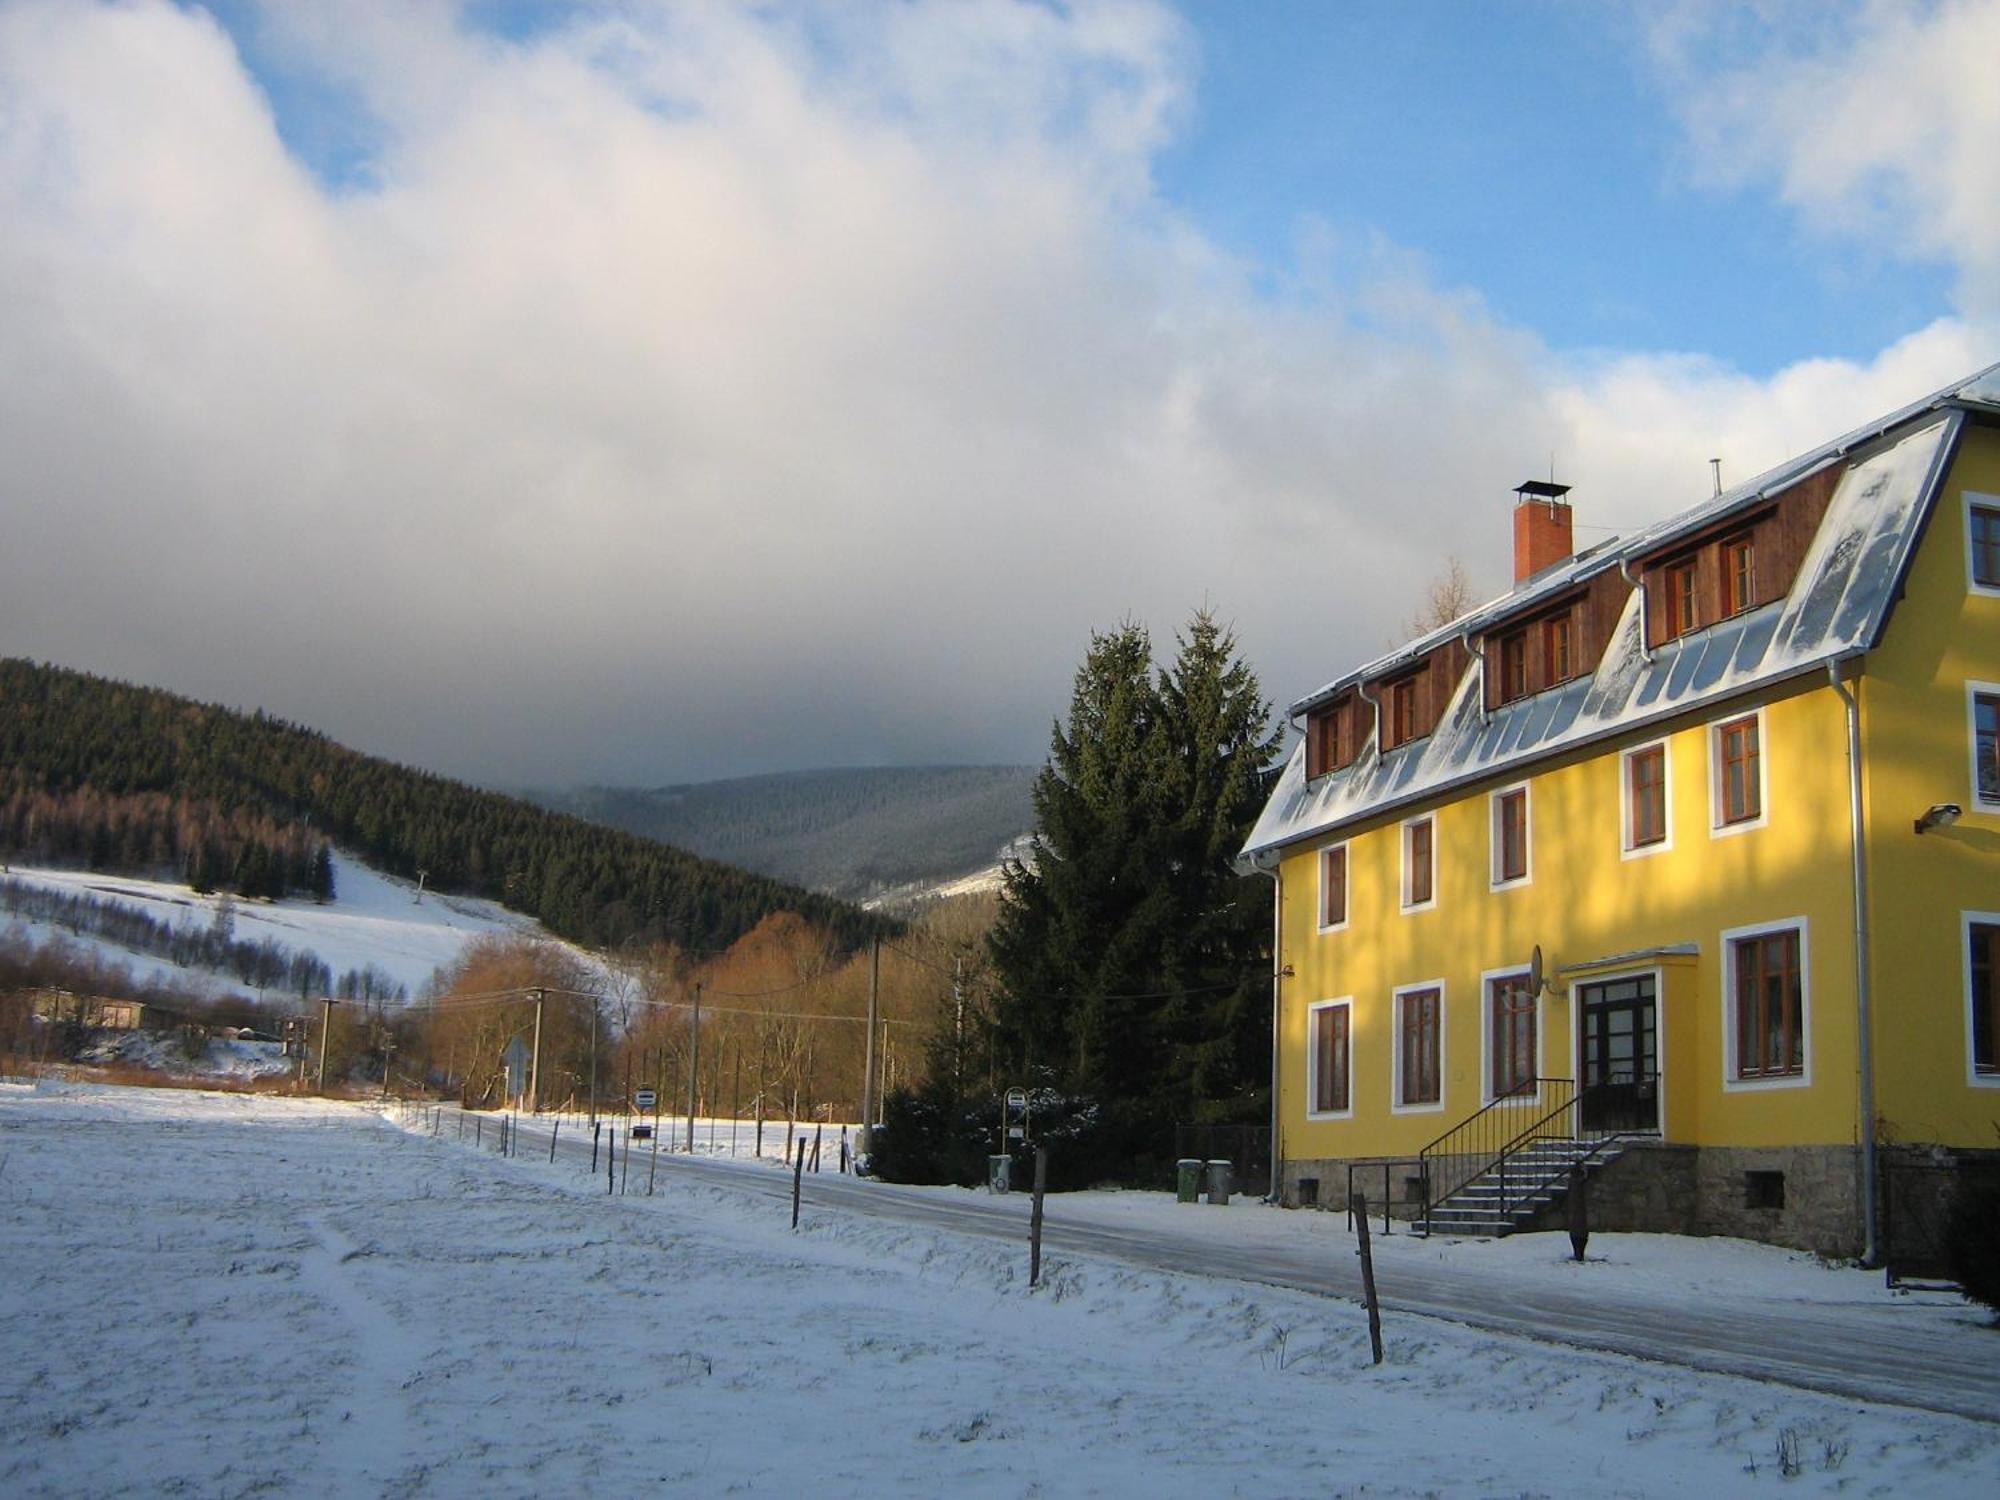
[{"x": 1484, "y": 1138}]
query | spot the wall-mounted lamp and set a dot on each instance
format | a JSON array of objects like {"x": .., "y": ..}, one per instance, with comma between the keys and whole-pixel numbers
[{"x": 1939, "y": 815}]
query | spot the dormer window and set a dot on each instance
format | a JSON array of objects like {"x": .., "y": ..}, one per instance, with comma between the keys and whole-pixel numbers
[
  {"x": 1402, "y": 710},
  {"x": 1559, "y": 647},
  {"x": 1680, "y": 598},
  {"x": 1514, "y": 666},
  {"x": 1739, "y": 574}
]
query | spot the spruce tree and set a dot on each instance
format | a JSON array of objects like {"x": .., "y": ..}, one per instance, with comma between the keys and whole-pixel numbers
[{"x": 1132, "y": 957}]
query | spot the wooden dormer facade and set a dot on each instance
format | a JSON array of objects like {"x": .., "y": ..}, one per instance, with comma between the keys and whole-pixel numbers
[
  {"x": 1553, "y": 641},
  {"x": 1738, "y": 563}
]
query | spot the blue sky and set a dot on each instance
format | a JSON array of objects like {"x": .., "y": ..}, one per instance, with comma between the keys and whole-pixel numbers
[
  {"x": 647, "y": 391},
  {"x": 1531, "y": 153}
]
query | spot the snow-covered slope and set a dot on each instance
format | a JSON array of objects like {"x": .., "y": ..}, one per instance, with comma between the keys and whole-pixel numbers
[{"x": 374, "y": 920}]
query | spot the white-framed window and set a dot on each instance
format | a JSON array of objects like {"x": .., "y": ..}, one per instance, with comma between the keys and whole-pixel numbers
[
  {"x": 1766, "y": 1006},
  {"x": 1510, "y": 1031},
  {"x": 1982, "y": 543},
  {"x": 1979, "y": 940},
  {"x": 1645, "y": 800},
  {"x": 1417, "y": 1086},
  {"x": 1333, "y": 887},
  {"x": 1420, "y": 864},
  {"x": 1982, "y": 714},
  {"x": 1507, "y": 822},
  {"x": 1330, "y": 1059},
  {"x": 1738, "y": 783}
]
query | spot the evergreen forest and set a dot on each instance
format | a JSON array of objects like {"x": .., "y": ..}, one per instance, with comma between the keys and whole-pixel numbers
[{"x": 109, "y": 776}]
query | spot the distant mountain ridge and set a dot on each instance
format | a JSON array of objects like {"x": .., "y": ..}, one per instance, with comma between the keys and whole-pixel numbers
[
  {"x": 105, "y": 775},
  {"x": 851, "y": 833}
]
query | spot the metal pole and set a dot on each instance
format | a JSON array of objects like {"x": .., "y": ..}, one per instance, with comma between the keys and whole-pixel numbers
[
  {"x": 325, "y": 1025},
  {"x": 874, "y": 1022},
  {"x": 535, "y": 1061},
  {"x": 694, "y": 1064},
  {"x": 593, "y": 1060}
]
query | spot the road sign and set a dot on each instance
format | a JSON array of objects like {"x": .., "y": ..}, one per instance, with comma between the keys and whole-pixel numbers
[{"x": 646, "y": 1099}]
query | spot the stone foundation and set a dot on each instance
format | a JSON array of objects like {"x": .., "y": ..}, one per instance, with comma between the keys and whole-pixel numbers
[{"x": 1802, "y": 1197}]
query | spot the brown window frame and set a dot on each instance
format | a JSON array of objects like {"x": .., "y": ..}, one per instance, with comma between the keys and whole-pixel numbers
[
  {"x": 1645, "y": 799},
  {"x": 1739, "y": 573},
  {"x": 1402, "y": 711},
  {"x": 1419, "y": 832},
  {"x": 1420, "y": 1046},
  {"x": 1983, "y": 549},
  {"x": 1764, "y": 965},
  {"x": 1333, "y": 857},
  {"x": 1982, "y": 971},
  {"x": 1986, "y": 749},
  {"x": 1329, "y": 738},
  {"x": 1510, "y": 835},
  {"x": 1739, "y": 782},
  {"x": 1681, "y": 584},
  {"x": 1513, "y": 1031},
  {"x": 1559, "y": 647},
  {"x": 1513, "y": 665},
  {"x": 1333, "y": 1058}
]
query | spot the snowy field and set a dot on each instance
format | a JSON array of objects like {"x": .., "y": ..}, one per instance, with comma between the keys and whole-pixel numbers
[
  {"x": 374, "y": 919},
  {"x": 226, "y": 1295}
]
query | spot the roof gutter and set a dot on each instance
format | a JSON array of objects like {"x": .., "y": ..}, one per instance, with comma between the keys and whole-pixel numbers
[{"x": 1863, "y": 998}]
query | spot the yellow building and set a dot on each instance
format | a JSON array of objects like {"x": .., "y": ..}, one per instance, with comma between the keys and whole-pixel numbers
[{"x": 1680, "y": 861}]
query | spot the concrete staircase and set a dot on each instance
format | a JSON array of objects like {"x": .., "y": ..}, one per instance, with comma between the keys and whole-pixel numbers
[{"x": 1534, "y": 1178}]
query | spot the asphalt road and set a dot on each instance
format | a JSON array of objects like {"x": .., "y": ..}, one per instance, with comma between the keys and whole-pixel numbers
[{"x": 1869, "y": 1353}]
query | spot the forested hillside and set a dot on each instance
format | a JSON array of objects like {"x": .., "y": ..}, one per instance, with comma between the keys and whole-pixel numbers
[
  {"x": 111, "y": 776},
  {"x": 849, "y": 832}
]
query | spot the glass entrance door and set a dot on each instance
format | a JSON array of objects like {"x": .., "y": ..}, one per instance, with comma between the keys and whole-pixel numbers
[{"x": 1619, "y": 1053}]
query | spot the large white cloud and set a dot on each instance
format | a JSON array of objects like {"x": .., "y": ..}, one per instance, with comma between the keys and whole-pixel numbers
[{"x": 697, "y": 387}]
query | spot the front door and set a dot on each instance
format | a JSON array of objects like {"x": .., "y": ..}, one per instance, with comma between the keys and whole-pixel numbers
[{"x": 1619, "y": 1054}]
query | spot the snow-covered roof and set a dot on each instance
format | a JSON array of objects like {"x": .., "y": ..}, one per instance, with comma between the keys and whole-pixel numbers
[
  {"x": 1837, "y": 606},
  {"x": 1981, "y": 390}
]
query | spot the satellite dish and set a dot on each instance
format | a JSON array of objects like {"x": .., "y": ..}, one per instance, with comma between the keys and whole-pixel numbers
[{"x": 1535, "y": 980}]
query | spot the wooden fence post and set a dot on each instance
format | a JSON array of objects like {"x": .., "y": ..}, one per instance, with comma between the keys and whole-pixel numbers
[
  {"x": 1035, "y": 1218},
  {"x": 798, "y": 1177},
  {"x": 1358, "y": 1206}
]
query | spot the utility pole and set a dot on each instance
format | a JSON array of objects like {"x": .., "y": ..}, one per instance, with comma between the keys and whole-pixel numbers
[
  {"x": 694, "y": 1065},
  {"x": 958, "y": 1026},
  {"x": 869, "y": 1066},
  {"x": 325, "y": 1032},
  {"x": 593, "y": 1062},
  {"x": 535, "y": 1059}
]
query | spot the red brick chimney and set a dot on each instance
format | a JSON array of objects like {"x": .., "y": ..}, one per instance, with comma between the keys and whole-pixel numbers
[{"x": 1541, "y": 527}]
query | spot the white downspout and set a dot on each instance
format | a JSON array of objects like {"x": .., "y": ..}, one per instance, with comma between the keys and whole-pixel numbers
[
  {"x": 1645, "y": 609},
  {"x": 1479, "y": 655},
  {"x": 1863, "y": 998},
  {"x": 1276, "y": 872},
  {"x": 1375, "y": 703}
]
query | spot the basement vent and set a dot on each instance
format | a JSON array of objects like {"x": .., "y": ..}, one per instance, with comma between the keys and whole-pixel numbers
[
  {"x": 1308, "y": 1192},
  {"x": 1763, "y": 1189}
]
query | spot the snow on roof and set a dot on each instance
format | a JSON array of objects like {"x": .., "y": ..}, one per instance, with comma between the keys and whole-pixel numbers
[
  {"x": 1836, "y": 607},
  {"x": 1979, "y": 390}
]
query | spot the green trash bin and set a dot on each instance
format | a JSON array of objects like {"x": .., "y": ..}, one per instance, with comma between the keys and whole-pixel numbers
[{"x": 1187, "y": 1176}]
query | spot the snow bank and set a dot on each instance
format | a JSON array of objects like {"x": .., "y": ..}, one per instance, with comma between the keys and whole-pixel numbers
[{"x": 229, "y": 1294}]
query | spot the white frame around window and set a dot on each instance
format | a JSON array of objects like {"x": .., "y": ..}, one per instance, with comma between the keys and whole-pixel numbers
[
  {"x": 1975, "y": 500},
  {"x": 1486, "y": 978},
  {"x": 1396, "y": 1105},
  {"x": 1967, "y": 920},
  {"x": 1313, "y": 1111},
  {"x": 1627, "y": 849},
  {"x": 1974, "y": 691},
  {"x": 1347, "y": 892},
  {"x": 1803, "y": 1078},
  {"x": 1716, "y": 827},
  {"x": 1403, "y": 840},
  {"x": 1493, "y": 800}
]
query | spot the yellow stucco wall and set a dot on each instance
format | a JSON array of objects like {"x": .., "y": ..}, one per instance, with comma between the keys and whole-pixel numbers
[
  {"x": 1917, "y": 751},
  {"x": 1586, "y": 899}
]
